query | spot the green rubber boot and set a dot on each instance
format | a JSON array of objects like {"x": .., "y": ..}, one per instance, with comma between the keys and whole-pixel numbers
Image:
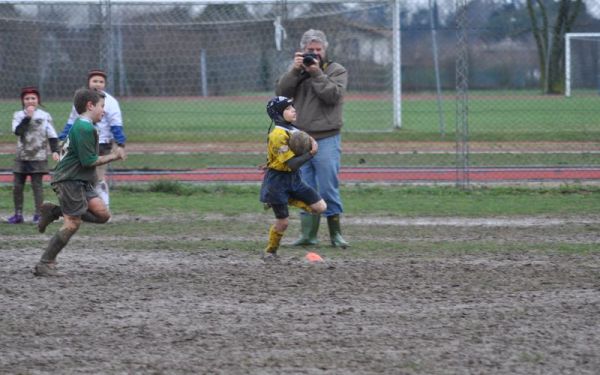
[
  {"x": 309, "y": 230},
  {"x": 335, "y": 232}
]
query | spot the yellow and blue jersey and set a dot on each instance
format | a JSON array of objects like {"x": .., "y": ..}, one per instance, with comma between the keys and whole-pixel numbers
[{"x": 278, "y": 150}]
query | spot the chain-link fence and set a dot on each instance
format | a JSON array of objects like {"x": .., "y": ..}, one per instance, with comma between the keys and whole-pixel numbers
[{"x": 193, "y": 77}]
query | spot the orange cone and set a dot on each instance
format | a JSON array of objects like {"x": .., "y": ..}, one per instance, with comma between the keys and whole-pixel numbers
[{"x": 313, "y": 257}]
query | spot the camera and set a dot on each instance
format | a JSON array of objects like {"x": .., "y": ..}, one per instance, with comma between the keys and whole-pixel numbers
[{"x": 309, "y": 58}]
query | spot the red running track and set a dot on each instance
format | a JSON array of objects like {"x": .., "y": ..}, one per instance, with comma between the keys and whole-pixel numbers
[{"x": 397, "y": 175}]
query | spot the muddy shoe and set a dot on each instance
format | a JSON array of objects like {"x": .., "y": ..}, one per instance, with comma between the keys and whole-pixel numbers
[
  {"x": 46, "y": 270},
  {"x": 36, "y": 218},
  {"x": 46, "y": 216}
]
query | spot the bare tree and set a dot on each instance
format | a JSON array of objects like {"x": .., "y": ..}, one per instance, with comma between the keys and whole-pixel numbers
[{"x": 550, "y": 38}]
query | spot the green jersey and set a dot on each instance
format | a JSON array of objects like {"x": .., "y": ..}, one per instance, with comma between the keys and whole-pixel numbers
[{"x": 79, "y": 153}]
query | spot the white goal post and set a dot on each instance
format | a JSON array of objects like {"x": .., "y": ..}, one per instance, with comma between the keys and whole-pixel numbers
[{"x": 569, "y": 37}]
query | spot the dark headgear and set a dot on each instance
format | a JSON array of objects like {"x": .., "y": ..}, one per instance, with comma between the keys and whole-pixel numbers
[
  {"x": 277, "y": 105},
  {"x": 30, "y": 90},
  {"x": 96, "y": 72}
]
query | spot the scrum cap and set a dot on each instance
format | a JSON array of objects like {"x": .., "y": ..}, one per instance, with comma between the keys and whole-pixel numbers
[
  {"x": 96, "y": 72},
  {"x": 277, "y": 105},
  {"x": 31, "y": 90}
]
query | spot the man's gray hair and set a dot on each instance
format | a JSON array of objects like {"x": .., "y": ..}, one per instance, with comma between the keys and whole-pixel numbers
[{"x": 313, "y": 36}]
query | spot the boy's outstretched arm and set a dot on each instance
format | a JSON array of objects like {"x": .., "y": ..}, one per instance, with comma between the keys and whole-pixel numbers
[{"x": 117, "y": 154}]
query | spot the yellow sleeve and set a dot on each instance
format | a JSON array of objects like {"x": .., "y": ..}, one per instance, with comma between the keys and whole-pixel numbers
[{"x": 278, "y": 150}]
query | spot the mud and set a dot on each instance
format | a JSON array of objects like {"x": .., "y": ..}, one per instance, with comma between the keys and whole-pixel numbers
[{"x": 215, "y": 311}]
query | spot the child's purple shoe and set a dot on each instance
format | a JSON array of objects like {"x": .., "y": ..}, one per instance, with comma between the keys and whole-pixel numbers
[{"x": 16, "y": 219}]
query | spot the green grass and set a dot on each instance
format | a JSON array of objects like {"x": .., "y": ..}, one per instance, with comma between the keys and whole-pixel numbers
[
  {"x": 167, "y": 197},
  {"x": 205, "y": 160},
  {"x": 494, "y": 116},
  {"x": 450, "y": 201},
  {"x": 169, "y": 215}
]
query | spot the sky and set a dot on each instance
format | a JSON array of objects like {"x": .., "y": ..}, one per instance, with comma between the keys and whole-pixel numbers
[{"x": 412, "y": 5}]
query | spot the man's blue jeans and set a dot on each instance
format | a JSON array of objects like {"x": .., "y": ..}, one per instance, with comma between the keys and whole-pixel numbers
[{"x": 321, "y": 173}]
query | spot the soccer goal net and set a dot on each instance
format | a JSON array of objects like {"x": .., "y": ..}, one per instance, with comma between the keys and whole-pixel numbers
[{"x": 582, "y": 64}]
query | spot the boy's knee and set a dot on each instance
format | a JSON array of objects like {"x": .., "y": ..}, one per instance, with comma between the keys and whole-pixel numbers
[
  {"x": 103, "y": 217},
  {"x": 319, "y": 207},
  {"x": 281, "y": 224},
  {"x": 71, "y": 223}
]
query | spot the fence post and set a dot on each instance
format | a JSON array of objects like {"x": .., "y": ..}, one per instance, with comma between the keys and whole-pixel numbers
[
  {"x": 462, "y": 99},
  {"x": 397, "y": 66}
]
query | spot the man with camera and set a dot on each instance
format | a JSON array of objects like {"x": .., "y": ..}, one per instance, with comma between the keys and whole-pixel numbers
[{"x": 318, "y": 86}]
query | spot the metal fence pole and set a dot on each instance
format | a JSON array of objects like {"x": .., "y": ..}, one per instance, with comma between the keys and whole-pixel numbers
[
  {"x": 438, "y": 85},
  {"x": 397, "y": 66},
  {"x": 462, "y": 99}
]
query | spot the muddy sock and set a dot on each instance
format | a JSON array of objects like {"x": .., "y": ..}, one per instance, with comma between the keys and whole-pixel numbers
[
  {"x": 91, "y": 218},
  {"x": 300, "y": 204},
  {"x": 56, "y": 212},
  {"x": 274, "y": 240},
  {"x": 57, "y": 243}
]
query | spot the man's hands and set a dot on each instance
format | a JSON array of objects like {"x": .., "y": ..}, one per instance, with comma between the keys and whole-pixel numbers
[
  {"x": 298, "y": 65},
  {"x": 298, "y": 61}
]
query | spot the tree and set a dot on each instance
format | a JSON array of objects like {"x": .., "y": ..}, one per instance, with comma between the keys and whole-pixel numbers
[
  {"x": 549, "y": 39},
  {"x": 507, "y": 21}
]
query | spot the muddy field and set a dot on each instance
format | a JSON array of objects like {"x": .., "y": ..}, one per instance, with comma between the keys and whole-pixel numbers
[{"x": 416, "y": 311}]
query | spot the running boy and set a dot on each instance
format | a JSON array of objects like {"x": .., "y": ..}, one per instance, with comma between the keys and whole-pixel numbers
[
  {"x": 35, "y": 130},
  {"x": 282, "y": 184},
  {"x": 74, "y": 179},
  {"x": 110, "y": 128}
]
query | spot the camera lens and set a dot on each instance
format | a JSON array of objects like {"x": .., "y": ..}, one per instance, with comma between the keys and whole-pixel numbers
[{"x": 309, "y": 59}]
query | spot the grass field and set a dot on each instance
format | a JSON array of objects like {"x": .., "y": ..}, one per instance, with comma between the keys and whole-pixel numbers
[
  {"x": 496, "y": 119},
  {"x": 232, "y": 159},
  {"x": 168, "y": 197},
  {"x": 493, "y": 117},
  {"x": 147, "y": 208}
]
